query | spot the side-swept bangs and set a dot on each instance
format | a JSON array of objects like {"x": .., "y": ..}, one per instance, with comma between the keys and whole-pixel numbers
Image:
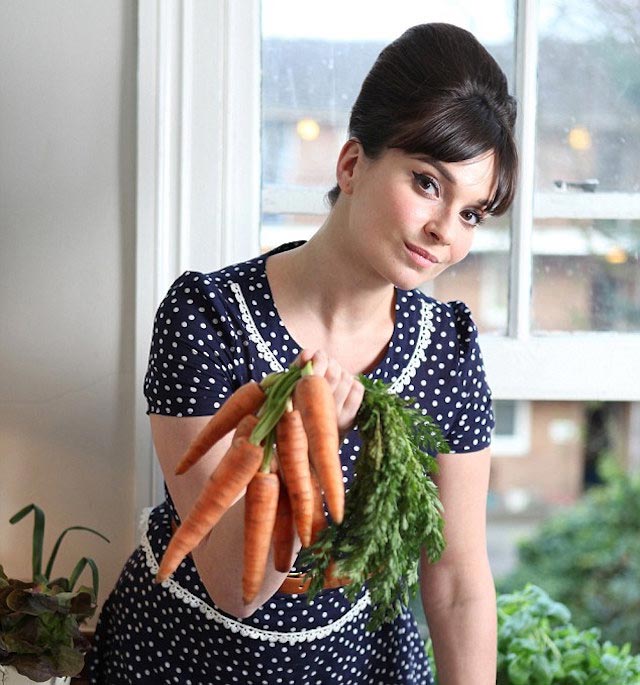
[{"x": 457, "y": 129}]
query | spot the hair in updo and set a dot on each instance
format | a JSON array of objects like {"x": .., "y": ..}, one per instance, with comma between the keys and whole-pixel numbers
[{"x": 437, "y": 91}]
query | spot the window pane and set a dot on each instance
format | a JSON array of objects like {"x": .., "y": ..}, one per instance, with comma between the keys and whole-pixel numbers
[
  {"x": 589, "y": 93},
  {"x": 481, "y": 280},
  {"x": 586, "y": 275},
  {"x": 505, "y": 413},
  {"x": 283, "y": 228},
  {"x": 588, "y": 140},
  {"x": 313, "y": 66}
]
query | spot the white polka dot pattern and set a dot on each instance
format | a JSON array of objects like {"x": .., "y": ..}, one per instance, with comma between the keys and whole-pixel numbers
[
  {"x": 237, "y": 626},
  {"x": 215, "y": 331},
  {"x": 212, "y": 333},
  {"x": 148, "y": 635}
]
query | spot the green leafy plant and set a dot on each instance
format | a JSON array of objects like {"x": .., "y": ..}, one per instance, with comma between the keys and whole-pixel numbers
[
  {"x": 589, "y": 558},
  {"x": 538, "y": 645},
  {"x": 40, "y": 620},
  {"x": 392, "y": 509}
]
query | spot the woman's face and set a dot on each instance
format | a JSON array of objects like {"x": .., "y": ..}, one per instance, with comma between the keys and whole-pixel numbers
[{"x": 411, "y": 216}]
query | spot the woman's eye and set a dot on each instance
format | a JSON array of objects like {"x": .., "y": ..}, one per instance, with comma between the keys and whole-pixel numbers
[
  {"x": 426, "y": 183},
  {"x": 471, "y": 217}
]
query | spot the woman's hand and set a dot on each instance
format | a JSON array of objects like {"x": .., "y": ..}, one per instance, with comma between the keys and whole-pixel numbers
[{"x": 347, "y": 389}]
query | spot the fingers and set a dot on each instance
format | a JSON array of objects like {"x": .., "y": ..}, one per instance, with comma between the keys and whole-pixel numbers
[
  {"x": 304, "y": 356},
  {"x": 346, "y": 388},
  {"x": 353, "y": 399},
  {"x": 319, "y": 360}
]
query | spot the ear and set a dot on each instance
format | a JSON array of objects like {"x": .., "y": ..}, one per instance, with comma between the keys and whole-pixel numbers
[{"x": 350, "y": 155}]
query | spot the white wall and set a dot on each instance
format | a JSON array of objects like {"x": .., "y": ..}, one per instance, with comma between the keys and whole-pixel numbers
[{"x": 67, "y": 239}]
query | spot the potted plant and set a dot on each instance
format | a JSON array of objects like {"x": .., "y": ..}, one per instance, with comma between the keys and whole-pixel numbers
[{"x": 40, "y": 638}]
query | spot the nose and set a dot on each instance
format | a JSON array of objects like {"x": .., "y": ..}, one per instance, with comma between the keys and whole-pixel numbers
[{"x": 440, "y": 230}]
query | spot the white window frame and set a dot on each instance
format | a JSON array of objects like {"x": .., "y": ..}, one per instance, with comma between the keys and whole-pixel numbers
[
  {"x": 199, "y": 201},
  {"x": 198, "y": 183}
]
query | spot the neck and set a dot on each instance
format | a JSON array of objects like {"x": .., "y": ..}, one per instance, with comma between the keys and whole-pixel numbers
[{"x": 335, "y": 285}]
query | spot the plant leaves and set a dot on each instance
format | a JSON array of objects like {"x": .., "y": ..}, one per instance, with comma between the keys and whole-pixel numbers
[
  {"x": 67, "y": 661},
  {"x": 32, "y": 602},
  {"x": 38, "y": 536},
  {"x": 536, "y": 639},
  {"x": 392, "y": 509},
  {"x": 58, "y": 542},
  {"x": 37, "y": 667},
  {"x": 39, "y": 628},
  {"x": 588, "y": 558}
]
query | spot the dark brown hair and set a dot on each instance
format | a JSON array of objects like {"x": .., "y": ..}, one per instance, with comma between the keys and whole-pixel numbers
[{"x": 437, "y": 91}]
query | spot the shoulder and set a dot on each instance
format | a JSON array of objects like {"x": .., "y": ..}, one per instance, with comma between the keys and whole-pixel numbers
[
  {"x": 210, "y": 291},
  {"x": 213, "y": 283},
  {"x": 453, "y": 315},
  {"x": 217, "y": 287},
  {"x": 465, "y": 326}
]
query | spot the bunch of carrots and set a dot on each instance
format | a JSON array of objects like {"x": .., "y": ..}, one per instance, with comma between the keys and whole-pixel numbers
[{"x": 294, "y": 412}]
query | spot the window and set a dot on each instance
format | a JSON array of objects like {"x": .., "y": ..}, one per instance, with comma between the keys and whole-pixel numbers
[
  {"x": 554, "y": 286},
  {"x": 586, "y": 236},
  {"x": 512, "y": 433},
  {"x": 573, "y": 240},
  {"x": 565, "y": 262}
]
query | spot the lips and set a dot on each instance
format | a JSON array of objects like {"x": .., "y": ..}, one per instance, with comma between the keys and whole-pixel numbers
[{"x": 422, "y": 253}]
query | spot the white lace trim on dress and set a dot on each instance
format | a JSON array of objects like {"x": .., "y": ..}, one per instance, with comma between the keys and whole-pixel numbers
[
  {"x": 419, "y": 351},
  {"x": 397, "y": 386},
  {"x": 235, "y": 626},
  {"x": 264, "y": 349}
]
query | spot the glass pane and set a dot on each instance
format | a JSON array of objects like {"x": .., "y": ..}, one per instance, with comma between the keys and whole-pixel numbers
[
  {"x": 481, "y": 280},
  {"x": 284, "y": 228},
  {"x": 313, "y": 66},
  {"x": 589, "y": 94},
  {"x": 505, "y": 413},
  {"x": 586, "y": 275}
]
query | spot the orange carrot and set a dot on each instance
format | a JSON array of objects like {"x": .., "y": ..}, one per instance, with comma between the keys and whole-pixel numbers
[
  {"x": 238, "y": 466},
  {"x": 246, "y": 426},
  {"x": 260, "y": 505},
  {"x": 314, "y": 399},
  {"x": 283, "y": 533},
  {"x": 293, "y": 456},
  {"x": 247, "y": 399},
  {"x": 319, "y": 520}
]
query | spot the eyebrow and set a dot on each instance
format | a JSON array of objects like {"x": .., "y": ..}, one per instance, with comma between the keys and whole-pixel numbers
[{"x": 480, "y": 204}]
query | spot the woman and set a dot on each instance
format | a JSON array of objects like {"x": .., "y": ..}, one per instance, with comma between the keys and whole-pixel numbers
[{"x": 430, "y": 154}]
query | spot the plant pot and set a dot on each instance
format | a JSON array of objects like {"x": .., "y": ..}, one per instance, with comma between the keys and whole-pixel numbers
[{"x": 9, "y": 676}]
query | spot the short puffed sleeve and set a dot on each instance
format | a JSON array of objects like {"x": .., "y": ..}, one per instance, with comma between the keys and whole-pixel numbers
[
  {"x": 471, "y": 426},
  {"x": 191, "y": 370}
]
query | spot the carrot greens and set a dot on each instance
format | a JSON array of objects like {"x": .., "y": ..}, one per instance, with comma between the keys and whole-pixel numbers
[{"x": 392, "y": 509}]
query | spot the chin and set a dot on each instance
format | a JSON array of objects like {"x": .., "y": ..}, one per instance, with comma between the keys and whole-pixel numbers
[
  {"x": 409, "y": 284},
  {"x": 414, "y": 281}
]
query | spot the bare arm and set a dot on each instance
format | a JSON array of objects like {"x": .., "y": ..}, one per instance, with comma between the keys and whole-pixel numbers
[
  {"x": 219, "y": 557},
  {"x": 458, "y": 592}
]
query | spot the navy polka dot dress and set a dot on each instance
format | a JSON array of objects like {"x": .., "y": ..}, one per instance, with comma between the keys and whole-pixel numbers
[{"x": 214, "y": 332}]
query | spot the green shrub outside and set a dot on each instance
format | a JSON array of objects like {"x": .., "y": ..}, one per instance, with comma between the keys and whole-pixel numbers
[
  {"x": 589, "y": 558},
  {"x": 538, "y": 645}
]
